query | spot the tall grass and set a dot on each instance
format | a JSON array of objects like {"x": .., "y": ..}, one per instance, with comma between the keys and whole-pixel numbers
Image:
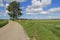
[
  {"x": 3, "y": 23},
  {"x": 42, "y": 29}
]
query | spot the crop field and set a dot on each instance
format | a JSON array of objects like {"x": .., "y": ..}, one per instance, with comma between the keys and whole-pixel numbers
[
  {"x": 3, "y": 23},
  {"x": 41, "y": 29}
]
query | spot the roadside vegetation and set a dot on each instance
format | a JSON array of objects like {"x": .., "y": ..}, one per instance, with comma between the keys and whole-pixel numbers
[
  {"x": 41, "y": 29},
  {"x": 3, "y": 23}
]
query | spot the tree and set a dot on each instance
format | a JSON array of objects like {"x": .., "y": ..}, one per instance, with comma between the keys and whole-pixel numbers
[{"x": 15, "y": 10}]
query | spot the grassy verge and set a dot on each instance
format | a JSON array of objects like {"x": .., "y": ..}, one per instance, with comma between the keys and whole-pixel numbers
[
  {"x": 3, "y": 23},
  {"x": 42, "y": 29}
]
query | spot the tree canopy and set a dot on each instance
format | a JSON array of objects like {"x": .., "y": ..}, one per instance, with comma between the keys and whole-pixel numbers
[{"x": 14, "y": 10}]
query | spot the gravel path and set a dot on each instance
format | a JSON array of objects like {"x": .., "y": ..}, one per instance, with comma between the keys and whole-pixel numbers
[{"x": 13, "y": 31}]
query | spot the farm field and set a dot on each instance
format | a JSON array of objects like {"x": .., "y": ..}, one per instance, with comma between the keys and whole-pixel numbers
[
  {"x": 3, "y": 23},
  {"x": 41, "y": 29}
]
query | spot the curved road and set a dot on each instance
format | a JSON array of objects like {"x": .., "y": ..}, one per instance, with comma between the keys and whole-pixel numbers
[{"x": 13, "y": 31}]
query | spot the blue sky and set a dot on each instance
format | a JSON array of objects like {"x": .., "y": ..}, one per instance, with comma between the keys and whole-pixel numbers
[{"x": 34, "y": 9}]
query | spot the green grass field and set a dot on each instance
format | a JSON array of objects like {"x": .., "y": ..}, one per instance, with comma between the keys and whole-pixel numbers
[
  {"x": 41, "y": 29},
  {"x": 3, "y": 23}
]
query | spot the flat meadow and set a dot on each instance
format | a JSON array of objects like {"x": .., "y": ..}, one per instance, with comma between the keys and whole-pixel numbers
[
  {"x": 3, "y": 23},
  {"x": 41, "y": 29}
]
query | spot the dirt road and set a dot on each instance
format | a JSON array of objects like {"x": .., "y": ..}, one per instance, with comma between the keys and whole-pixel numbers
[{"x": 13, "y": 31}]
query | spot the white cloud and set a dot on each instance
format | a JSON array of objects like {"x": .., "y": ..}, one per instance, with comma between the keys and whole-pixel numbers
[
  {"x": 3, "y": 14},
  {"x": 15, "y": 0},
  {"x": 43, "y": 12},
  {"x": 37, "y": 6},
  {"x": 0, "y": 14},
  {"x": 22, "y": 7},
  {"x": 54, "y": 9},
  {"x": 41, "y": 3},
  {"x": 33, "y": 10},
  {"x": 52, "y": 17},
  {"x": 7, "y": 11},
  {"x": 7, "y": 5},
  {"x": 46, "y": 2},
  {"x": 1, "y": 3},
  {"x": 36, "y": 3}
]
